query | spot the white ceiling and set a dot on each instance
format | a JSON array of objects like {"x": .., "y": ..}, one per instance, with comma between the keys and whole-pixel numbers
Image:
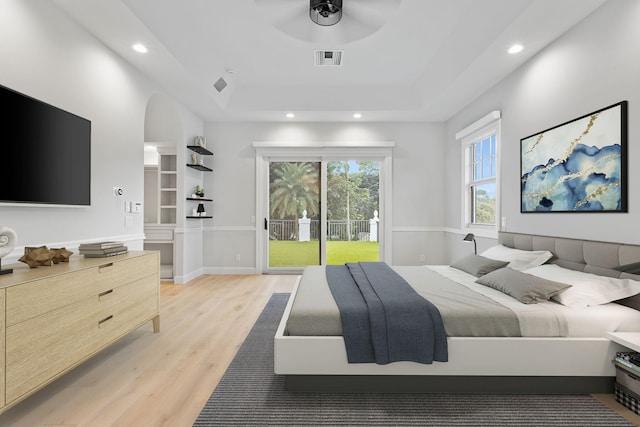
[{"x": 404, "y": 60}]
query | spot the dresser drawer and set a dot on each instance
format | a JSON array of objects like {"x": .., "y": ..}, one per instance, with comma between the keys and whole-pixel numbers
[
  {"x": 40, "y": 348},
  {"x": 114, "y": 299},
  {"x": 35, "y": 298},
  {"x": 127, "y": 318}
]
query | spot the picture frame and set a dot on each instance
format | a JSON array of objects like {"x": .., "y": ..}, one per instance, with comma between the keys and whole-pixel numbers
[{"x": 577, "y": 166}]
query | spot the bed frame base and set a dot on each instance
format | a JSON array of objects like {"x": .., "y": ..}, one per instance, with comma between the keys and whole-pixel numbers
[{"x": 449, "y": 384}]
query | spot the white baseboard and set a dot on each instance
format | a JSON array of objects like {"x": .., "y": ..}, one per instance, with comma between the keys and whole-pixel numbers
[
  {"x": 230, "y": 270},
  {"x": 186, "y": 278}
]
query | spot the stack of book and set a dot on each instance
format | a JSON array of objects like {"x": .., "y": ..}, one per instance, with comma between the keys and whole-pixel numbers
[{"x": 102, "y": 249}]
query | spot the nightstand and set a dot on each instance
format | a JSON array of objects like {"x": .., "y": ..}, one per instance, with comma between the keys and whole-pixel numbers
[{"x": 630, "y": 340}]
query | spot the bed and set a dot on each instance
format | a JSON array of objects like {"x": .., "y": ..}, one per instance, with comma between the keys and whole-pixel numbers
[{"x": 574, "y": 357}]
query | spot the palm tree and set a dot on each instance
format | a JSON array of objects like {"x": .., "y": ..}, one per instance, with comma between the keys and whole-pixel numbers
[{"x": 294, "y": 188}]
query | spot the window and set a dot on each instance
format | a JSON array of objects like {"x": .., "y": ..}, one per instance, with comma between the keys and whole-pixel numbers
[
  {"x": 481, "y": 160},
  {"x": 482, "y": 185}
]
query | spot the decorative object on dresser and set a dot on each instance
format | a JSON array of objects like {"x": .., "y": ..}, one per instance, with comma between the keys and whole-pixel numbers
[
  {"x": 36, "y": 256},
  {"x": 60, "y": 255},
  {"x": 43, "y": 256},
  {"x": 102, "y": 249},
  {"x": 54, "y": 319},
  {"x": 8, "y": 239}
]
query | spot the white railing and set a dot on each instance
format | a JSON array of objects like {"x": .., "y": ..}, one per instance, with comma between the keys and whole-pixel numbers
[{"x": 280, "y": 229}]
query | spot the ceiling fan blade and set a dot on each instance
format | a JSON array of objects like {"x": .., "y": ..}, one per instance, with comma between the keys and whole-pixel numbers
[
  {"x": 279, "y": 11},
  {"x": 277, "y": 3},
  {"x": 301, "y": 27},
  {"x": 384, "y": 6},
  {"x": 371, "y": 13}
]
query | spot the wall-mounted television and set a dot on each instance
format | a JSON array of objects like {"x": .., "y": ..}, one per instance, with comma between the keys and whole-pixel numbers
[{"x": 46, "y": 153}]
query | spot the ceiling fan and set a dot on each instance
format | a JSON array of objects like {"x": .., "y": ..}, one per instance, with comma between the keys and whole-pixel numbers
[
  {"x": 325, "y": 12},
  {"x": 328, "y": 21}
]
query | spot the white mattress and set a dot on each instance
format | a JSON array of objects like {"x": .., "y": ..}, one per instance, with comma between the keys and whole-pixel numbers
[{"x": 593, "y": 321}]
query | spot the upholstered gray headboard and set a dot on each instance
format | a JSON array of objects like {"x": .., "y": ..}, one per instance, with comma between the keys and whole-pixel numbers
[{"x": 584, "y": 255}]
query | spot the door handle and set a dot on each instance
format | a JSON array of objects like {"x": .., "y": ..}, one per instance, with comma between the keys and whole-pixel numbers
[{"x": 266, "y": 224}]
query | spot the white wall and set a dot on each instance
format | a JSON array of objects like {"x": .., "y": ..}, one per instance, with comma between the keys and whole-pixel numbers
[
  {"x": 418, "y": 186},
  {"x": 594, "y": 65},
  {"x": 49, "y": 57}
]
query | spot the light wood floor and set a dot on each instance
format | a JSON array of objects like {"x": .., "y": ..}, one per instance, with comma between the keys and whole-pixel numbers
[{"x": 164, "y": 379}]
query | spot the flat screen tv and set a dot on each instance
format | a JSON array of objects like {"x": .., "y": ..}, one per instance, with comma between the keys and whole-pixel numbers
[{"x": 46, "y": 153}]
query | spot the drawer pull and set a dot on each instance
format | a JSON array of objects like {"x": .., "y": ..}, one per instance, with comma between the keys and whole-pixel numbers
[
  {"x": 106, "y": 319},
  {"x": 105, "y": 293},
  {"x": 105, "y": 267}
]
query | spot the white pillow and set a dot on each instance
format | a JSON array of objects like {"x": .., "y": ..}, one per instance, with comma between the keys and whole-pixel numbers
[
  {"x": 518, "y": 259},
  {"x": 586, "y": 289}
]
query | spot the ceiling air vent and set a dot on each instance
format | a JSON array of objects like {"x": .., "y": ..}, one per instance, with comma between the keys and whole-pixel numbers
[
  {"x": 328, "y": 57},
  {"x": 220, "y": 84}
]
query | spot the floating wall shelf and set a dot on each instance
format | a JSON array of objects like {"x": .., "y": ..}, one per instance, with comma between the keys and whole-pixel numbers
[
  {"x": 200, "y": 167},
  {"x": 199, "y": 150}
]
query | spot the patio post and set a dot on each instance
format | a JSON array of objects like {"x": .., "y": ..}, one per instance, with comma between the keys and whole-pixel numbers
[
  {"x": 373, "y": 227},
  {"x": 304, "y": 228}
]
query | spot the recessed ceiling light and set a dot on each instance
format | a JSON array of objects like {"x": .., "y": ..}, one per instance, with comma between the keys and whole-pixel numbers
[
  {"x": 290, "y": 115},
  {"x": 516, "y": 48},
  {"x": 139, "y": 47},
  {"x": 357, "y": 115}
]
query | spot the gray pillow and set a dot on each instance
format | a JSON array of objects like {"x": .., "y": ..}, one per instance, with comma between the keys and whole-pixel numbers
[
  {"x": 478, "y": 265},
  {"x": 526, "y": 288}
]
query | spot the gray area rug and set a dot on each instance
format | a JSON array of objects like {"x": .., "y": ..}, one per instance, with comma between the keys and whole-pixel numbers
[{"x": 250, "y": 394}]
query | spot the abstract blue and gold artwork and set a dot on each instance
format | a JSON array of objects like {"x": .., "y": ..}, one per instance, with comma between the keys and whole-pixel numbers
[{"x": 578, "y": 166}]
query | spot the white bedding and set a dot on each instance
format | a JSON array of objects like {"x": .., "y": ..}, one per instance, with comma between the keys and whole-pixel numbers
[
  {"x": 316, "y": 313},
  {"x": 581, "y": 322}
]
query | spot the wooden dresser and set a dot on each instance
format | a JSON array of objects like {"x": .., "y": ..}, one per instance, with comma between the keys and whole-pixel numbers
[{"x": 54, "y": 318}]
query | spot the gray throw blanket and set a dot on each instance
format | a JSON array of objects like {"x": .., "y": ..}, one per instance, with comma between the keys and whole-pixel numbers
[{"x": 383, "y": 319}]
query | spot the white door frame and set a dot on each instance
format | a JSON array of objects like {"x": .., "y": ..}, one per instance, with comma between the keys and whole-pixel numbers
[{"x": 321, "y": 152}]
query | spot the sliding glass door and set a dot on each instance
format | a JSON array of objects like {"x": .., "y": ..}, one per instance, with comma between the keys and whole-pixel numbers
[
  {"x": 352, "y": 211},
  {"x": 322, "y": 212},
  {"x": 294, "y": 214}
]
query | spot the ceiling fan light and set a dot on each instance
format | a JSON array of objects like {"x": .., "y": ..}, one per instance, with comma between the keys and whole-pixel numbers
[{"x": 325, "y": 12}]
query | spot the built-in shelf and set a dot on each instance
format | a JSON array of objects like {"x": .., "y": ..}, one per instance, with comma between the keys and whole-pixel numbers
[
  {"x": 200, "y": 167},
  {"x": 199, "y": 199},
  {"x": 199, "y": 217},
  {"x": 200, "y": 150}
]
